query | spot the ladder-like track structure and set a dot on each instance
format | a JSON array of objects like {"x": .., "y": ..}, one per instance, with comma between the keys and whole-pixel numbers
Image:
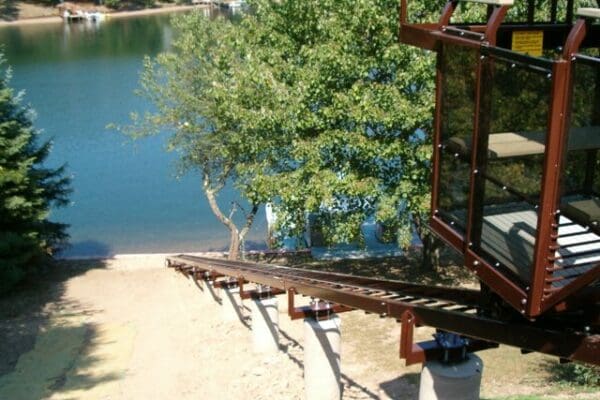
[{"x": 465, "y": 312}]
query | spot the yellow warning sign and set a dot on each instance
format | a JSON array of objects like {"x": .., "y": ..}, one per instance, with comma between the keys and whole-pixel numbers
[{"x": 529, "y": 42}]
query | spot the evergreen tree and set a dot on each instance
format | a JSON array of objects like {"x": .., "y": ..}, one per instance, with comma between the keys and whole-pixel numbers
[{"x": 27, "y": 191}]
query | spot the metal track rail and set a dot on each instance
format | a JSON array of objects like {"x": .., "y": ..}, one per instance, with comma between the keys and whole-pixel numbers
[{"x": 448, "y": 309}]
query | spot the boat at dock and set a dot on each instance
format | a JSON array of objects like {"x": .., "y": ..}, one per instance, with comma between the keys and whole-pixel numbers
[
  {"x": 72, "y": 13},
  {"x": 229, "y": 3}
]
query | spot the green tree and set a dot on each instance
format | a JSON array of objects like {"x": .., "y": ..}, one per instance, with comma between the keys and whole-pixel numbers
[
  {"x": 200, "y": 88},
  {"x": 357, "y": 134},
  {"x": 27, "y": 192},
  {"x": 311, "y": 105}
]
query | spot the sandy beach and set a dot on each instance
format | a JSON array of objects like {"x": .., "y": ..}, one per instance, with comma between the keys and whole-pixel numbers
[
  {"x": 129, "y": 328},
  {"x": 33, "y": 15}
]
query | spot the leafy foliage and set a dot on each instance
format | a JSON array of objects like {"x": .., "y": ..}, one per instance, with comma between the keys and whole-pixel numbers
[
  {"x": 201, "y": 89},
  {"x": 577, "y": 374},
  {"x": 27, "y": 191},
  {"x": 356, "y": 106},
  {"x": 311, "y": 105},
  {"x": 130, "y": 4}
]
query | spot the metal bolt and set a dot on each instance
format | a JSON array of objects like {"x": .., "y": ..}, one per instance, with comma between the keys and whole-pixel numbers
[
  {"x": 475, "y": 262},
  {"x": 497, "y": 264},
  {"x": 549, "y": 76},
  {"x": 470, "y": 244},
  {"x": 482, "y": 57},
  {"x": 523, "y": 301},
  {"x": 513, "y": 65},
  {"x": 475, "y": 171},
  {"x": 439, "y": 146},
  {"x": 383, "y": 303},
  {"x": 462, "y": 34}
]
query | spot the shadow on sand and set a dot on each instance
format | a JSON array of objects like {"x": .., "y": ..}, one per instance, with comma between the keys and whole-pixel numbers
[{"x": 46, "y": 343}]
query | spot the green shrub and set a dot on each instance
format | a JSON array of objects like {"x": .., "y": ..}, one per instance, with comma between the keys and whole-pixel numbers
[
  {"x": 112, "y": 3},
  {"x": 578, "y": 374}
]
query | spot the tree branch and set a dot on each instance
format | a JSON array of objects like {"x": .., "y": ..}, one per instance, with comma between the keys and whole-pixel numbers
[
  {"x": 214, "y": 206},
  {"x": 249, "y": 220}
]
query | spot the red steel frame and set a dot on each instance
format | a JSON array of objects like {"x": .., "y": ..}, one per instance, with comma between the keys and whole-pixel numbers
[
  {"x": 448, "y": 309},
  {"x": 538, "y": 296}
]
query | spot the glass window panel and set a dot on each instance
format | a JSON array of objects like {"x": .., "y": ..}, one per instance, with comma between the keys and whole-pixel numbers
[
  {"x": 457, "y": 113},
  {"x": 580, "y": 201},
  {"x": 512, "y": 136}
]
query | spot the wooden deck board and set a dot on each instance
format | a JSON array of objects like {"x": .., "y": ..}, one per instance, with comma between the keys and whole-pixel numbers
[{"x": 508, "y": 234}]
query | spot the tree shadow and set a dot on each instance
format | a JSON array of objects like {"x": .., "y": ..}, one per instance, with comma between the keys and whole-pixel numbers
[
  {"x": 8, "y": 10},
  {"x": 48, "y": 337},
  {"x": 406, "y": 386},
  {"x": 86, "y": 249},
  {"x": 290, "y": 346},
  {"x": 404, "y": 268}
]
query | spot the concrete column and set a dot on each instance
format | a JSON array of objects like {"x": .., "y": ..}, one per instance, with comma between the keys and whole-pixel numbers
[
  {"x": 451, "y": 381},
  {"x": 265, "y": 325},
  {"x": 231, "y": 310},
  {"x": 322, "y": 343}
]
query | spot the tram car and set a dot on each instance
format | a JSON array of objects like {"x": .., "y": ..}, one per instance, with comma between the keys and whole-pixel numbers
[{"x": 516, "y": 171}]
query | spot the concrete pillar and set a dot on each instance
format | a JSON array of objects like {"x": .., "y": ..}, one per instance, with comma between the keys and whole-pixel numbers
[
  {"x": 265, "y": 325},
  {"x": 231, "y": 310},
  {"x": 451, "y": 381},
  {"x": 322, "y": 344}
]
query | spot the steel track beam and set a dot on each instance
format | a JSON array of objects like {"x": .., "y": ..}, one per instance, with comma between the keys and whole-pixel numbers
[{"x": 448, "y": 309}]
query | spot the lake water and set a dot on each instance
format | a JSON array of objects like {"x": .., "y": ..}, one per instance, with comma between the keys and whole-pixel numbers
[{"x": 81, "y": 77}]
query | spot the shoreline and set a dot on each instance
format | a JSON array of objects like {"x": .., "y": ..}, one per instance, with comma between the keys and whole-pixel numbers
[
  {"x": 217, "y": 254},
  {"x": 117, "y": 14},
  {"x": 125, "y": 256}
]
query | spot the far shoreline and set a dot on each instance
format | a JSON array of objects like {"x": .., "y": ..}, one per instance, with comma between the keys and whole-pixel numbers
[{"x": 117, "y": 14}]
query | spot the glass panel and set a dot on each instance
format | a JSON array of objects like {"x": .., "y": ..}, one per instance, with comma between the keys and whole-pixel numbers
[
  {"x": 457, "y": 110},
  {"x": 581, "y": 177},
  {"x": 579, "y": 224},
  {"x": 512, "y": 133}
]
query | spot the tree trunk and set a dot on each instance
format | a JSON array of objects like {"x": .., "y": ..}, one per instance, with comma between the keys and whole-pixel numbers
[
  {"x": 234, "y": 245},
  {"x": 430, "y": 254},
  {"x": 248, "y": 225},
  {"x": 234, "y": 236},
  {"x": 430, "y": 257}
]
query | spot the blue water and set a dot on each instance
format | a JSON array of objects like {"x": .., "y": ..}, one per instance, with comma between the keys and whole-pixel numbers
[{"x": 126, "y": 196}]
